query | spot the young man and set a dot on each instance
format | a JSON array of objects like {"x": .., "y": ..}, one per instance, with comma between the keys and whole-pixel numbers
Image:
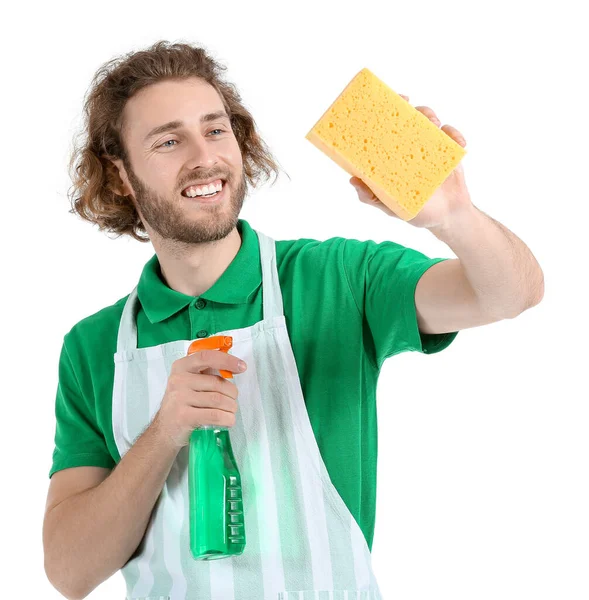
[{"x": 170, "y": 153}]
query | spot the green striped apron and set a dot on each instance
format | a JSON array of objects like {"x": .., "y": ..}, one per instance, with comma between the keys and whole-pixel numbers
[{"x": 301, "y": 540}]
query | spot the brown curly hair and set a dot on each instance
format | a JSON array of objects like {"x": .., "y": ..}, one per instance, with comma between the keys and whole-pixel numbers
[{"x": 93, "y": 195}]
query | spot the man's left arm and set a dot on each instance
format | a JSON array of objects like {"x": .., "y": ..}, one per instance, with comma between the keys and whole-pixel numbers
[{"x": 495, "y": 276}]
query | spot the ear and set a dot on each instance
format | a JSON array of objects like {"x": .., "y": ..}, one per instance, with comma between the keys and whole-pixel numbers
[{"x": 117, "y": 176}]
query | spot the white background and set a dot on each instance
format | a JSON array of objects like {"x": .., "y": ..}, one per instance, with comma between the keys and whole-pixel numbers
[{"x": 483, "y": 448}]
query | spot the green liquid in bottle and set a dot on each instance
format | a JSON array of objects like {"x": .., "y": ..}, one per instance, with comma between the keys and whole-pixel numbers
[{"x": 217, "y": 528}]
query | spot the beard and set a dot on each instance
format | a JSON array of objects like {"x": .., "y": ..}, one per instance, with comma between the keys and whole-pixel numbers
[{"x": 173, "y": 223}]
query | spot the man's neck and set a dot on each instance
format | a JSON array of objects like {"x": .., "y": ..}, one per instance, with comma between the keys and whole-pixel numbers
[{"x": 194, "y": 271}]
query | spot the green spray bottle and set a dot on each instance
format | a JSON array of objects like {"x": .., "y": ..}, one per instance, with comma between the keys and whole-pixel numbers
[{"x": 217, "y": 528}]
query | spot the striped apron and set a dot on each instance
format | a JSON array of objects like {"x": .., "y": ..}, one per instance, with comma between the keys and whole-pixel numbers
[{"x": 302, "y": 542}]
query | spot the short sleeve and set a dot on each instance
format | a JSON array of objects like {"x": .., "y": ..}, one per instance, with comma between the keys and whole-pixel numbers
[
  {"x": 78, "y": 438},
  {"x": 382, "y": 279}
]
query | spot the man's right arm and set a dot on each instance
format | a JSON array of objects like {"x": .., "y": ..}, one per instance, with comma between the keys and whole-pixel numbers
[
  {"x": 94, "y": 521},
  {"x": 96, "y": 518}
]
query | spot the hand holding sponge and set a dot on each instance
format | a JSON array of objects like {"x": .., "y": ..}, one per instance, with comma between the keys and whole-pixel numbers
[{"x": 377, "y": 136}]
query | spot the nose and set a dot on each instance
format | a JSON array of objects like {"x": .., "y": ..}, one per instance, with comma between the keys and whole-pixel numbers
[{"x": 201, "y": 153}]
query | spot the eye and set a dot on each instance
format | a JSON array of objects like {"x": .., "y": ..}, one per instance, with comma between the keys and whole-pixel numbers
[{"x": 163, "y": 145}]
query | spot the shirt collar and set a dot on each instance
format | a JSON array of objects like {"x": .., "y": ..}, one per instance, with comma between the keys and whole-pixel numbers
[{"x": 236, "y": 285}]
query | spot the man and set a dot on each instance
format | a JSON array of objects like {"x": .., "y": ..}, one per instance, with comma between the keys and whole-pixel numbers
[{"x": 170, "y": 152}]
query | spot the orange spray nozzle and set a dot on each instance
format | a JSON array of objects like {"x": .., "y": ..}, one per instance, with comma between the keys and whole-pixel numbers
[{"x": 215, "y": 342}]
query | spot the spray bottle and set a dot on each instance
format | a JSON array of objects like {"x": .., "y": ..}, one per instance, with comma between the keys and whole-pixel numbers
[{"x": 217, "y": 528}]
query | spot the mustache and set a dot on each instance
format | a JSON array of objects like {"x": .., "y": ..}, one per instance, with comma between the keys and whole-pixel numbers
[{"x": 203, "y": 179}]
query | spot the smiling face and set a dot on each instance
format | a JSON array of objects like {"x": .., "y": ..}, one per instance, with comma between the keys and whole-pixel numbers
[{"x": 177, "y": 133}]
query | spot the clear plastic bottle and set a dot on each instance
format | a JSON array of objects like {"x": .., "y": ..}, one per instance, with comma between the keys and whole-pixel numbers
[{"x": 217, "y": 528}]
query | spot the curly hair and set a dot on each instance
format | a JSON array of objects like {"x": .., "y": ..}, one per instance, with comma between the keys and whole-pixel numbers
[{"x": 93, "y": 195}]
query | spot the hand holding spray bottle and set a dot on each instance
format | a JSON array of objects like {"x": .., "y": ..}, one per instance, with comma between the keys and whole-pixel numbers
[{"x": 217, "y": 528}]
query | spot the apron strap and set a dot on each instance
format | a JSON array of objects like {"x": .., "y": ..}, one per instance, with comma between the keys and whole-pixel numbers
[
  {"x": 127, "y": 336},
  {"x": 271, "y": 294}
]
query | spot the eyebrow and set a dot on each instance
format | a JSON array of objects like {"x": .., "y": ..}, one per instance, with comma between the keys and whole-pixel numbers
[{"x": 220, "y": 114}]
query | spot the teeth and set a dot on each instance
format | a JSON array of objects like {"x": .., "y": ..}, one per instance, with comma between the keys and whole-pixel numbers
[{"x": 204, "y": 190}]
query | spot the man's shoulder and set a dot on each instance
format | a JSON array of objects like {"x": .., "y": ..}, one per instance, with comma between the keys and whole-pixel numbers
[
  {"x": 334, "y": 243},
  {"x": 342, "y": 253},
  {"x": 98, "y": 327},
  {"x": 308, "y": 248}
]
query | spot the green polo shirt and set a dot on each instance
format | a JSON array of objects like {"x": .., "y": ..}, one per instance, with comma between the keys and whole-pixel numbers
[{"x": 348, "y": 304}]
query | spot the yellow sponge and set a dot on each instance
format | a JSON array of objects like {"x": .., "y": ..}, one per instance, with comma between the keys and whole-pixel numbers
[{"x": 377, "y": 136}]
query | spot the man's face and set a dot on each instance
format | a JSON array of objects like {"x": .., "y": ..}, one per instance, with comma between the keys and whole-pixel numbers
[{"x": 165, "y": 163}]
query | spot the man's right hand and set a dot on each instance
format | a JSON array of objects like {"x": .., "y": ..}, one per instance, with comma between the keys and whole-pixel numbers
[{"x": 195, "y": 397}]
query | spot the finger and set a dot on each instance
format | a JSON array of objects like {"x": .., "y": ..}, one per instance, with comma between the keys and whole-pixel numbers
[
  {"x": 404, "y": 97},
  {"x": 454, "y": 134},
  {"x": 200, "y": 382},
  {"x": 367, "y": 196},
  {"x": 430, "y": 114},
  {"x": 210, "y": 359},
  {"x": 364, "y": 192},
  {"x": 212, "y": 416},
  {"x": 213, "y": 400}
]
